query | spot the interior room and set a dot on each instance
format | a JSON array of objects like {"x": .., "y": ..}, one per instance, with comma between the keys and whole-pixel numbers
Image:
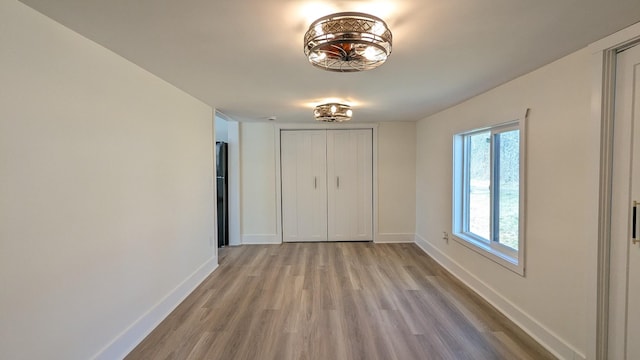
[{"x": 472, "y": 143}]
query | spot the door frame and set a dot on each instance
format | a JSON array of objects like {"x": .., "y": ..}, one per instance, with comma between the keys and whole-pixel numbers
[
  {"x": 603, "y": 70},
  {"x": 233, "y": 171},
  {"x": 326, "y": 126}
]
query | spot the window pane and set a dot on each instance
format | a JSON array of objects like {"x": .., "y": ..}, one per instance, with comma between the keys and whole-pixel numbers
[
  {"x": 508, "y": 172},
  {"x": 479, "y": 182}
]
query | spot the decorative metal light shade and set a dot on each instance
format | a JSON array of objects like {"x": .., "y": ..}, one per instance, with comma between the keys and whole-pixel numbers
[
  {"x": 333, "y": 112},
  {"x": 347, "y": 42}
]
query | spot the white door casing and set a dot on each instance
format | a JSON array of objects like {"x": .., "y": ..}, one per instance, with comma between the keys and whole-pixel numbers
[
  {"x": 624, "y": 284},
  {"x": 603, "y": 70}
]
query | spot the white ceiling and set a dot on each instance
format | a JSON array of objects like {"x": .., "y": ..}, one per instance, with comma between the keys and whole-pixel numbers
[{"x": 245, "y": 57}]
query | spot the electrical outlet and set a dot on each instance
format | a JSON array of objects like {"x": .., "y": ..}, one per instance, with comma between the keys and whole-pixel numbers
[{"x": 445, "y": 236}]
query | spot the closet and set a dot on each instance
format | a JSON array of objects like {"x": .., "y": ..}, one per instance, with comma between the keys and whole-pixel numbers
[{"x": 327, "y": 185}]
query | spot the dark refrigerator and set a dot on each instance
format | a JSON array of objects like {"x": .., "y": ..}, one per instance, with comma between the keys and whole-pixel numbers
[{"x": 223, "y": 193}]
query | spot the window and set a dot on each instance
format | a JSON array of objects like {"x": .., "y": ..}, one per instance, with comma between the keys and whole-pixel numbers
[{"x": 488, "y": 206}]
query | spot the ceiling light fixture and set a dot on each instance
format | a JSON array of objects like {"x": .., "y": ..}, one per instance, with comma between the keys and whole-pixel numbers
[
  {"x": 347, "y": 42},
  {"x": 333, "y": 112}
]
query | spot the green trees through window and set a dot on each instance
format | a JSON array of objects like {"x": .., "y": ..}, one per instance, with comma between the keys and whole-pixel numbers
[{"x": 507, "y": 194}]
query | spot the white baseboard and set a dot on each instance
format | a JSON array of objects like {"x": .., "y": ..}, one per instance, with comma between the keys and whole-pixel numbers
[
  {"x": 136, "y": 332},
  {"x": 260, "y": 239},
  {"x": 540, "y": 333},
  {"x": 383, "y": 238}
]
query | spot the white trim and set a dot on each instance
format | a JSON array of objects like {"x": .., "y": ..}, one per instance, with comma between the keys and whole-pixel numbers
[
  {"x": 279, "y": 235},
  {"x": 139, "y": 329},
  {"x": 513, "y": 260},
  {"x": 260, "y": 239},
  {"x": 490, "y": 252},
  {"x": 233, "y": 162},
  {"x": 603, "y": 60},
  {"x": 374, "y": 189},
  {"x": 213, "y": 238},
  {"x": 527, "y": 323},
  {"x": 326, "y": 126},
  {"x": 387, "y": 238}
]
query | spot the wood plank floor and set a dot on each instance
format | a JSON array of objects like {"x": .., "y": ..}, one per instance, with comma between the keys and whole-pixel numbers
[{"x": 334, "y": 301}]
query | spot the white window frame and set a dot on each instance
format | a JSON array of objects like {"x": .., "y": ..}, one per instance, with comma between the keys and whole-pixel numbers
[{"x": 499, "y": 253}]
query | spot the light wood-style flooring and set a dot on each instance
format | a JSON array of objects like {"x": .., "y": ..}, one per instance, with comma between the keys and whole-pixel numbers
[{"x": 334, "y": 301}]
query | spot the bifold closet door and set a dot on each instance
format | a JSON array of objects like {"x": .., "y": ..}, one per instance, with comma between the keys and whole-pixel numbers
[
  {"x": 304, "y": 185},
  {"x": 350, "y": 185}
]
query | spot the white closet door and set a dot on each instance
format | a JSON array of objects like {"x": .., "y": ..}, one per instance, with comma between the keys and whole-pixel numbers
[
  {"x": 304, "y": 185},
  {"x": 350, "y": 185}
]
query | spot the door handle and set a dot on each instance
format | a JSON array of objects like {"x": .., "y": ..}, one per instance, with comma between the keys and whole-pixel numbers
[
  {"x": 338, "y": 181},
  {"x": 634, "y": 223},
  {"x": 315, "y": 182}
]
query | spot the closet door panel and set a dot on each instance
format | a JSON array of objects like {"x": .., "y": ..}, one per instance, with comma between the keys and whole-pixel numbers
[
  {"x": 349, "y": 185},
  {"x": 304, "y": 186},
  {"x": 339, "y": 195}
]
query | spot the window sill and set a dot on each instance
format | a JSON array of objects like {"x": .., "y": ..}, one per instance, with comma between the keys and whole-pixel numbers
[{"x": 511, "y": 263}]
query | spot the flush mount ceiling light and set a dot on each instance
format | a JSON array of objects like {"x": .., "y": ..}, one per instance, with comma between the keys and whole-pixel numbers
[
  {"x": 347, "y": 42},
  {"x": 333, "y": 112}
]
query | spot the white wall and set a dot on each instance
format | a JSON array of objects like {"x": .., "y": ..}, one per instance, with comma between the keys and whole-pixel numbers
[
  {"x": 550, "y": 301},
  {"x": 396, "y": 181},
  {"x": 396, "y": 187},
  {"x": 258, "y": 184},
  {"x": 222, "y": 132},
  {"x": 106, "y": 196}
]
